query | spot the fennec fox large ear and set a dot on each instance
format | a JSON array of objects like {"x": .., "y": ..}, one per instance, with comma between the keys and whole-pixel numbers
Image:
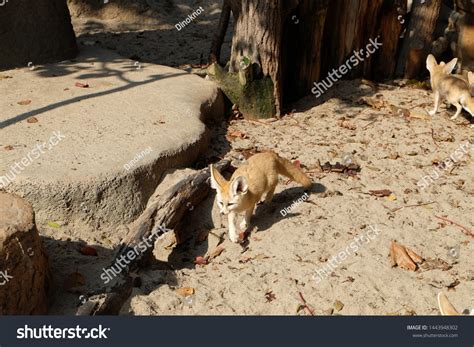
[
  {"x": 240, "y": 186},
  {"x": 445, "y": 307},
  {"x": 449, "y": 67},
  {"x": 431, "y": 62},
  {"x": 217, "y": 180},
  {"x": 470, "y": 77}
]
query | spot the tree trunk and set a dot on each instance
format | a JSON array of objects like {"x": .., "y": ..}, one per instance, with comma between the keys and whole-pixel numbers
[
  {"x": 417, "y": 45},
  {"x": 280, "y": 48},
  {"x": 465, "y": 44},
  {"x": 350, "y": 27},
  {"x": 215, "y": 54},
  {"x": 36, "y": 31}
]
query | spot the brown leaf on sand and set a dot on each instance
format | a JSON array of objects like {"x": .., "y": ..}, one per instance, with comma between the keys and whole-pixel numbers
[
  {"x": 236, "y": 134},
  {"x": 346, "y": 124},
  {"x": 404, "y": 257},
  {"x": 415, "y": 257},
  {"x": 32, "y": 120},
  {"x": 24, "y": 102},
  {"x": 216, "y": 252},
  {"x": 185, "y": 291},
  {"x": 8, "y": 148},
  {"x": 373, "y": 102},
  {"x": 73, "y": 281},
  {"x": 380, "y": 193},
  {"x": 270, "y": 296},
  {"x": 81, "y": 85},
  {"x": 201, "y": 261}
]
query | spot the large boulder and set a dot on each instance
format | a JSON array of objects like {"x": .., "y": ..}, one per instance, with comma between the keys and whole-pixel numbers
[
  {"x": 25, "y": 277},
  {"x": 36, "y": 31}
]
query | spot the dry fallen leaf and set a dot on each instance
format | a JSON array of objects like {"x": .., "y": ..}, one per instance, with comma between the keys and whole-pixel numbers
[
  {"x": 32, "y": 120},
  {"x": 270, "y": 296},
  {"x": 24, "y": 102},
  {"x": 74, "y": 280},
  {"x": 404, "y": 257},
  {"x": 380, "y": 193},
  {"x": 89, "y": 251},
  {"x": 185, "y": 291},
  {"x": 201, "y": 261},
  {"x": 236, "y": 134},
  {"x": 81, "y": 85},
  {"x": 216, "y": 252},
  {"x": 338, "y": 305},
  {"x": 346, "y": 124}
]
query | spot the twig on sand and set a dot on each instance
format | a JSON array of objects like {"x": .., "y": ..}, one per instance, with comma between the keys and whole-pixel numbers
[
  {"x": 464, "y": 229},
  {"x": 432, "y": 136},
  {"x": 422, "y": 204},
  {"x": 305, "y": 304},
  {"x": 365, "y": 126}
]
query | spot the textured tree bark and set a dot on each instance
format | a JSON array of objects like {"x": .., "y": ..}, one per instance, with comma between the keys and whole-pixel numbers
[
  {"x": 37, "y": 31},
  {"x": 351, "y": 25},
  {"x": 465, "y": 44},
  {"x": 215, "y": 54},
  {"x": 164, "y": 213},
  {"x": 417, "y": 45}
]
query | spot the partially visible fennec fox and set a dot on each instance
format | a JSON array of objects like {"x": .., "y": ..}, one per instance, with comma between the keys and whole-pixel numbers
[
  {"x": 249, "y": 184},
  {"x": 455, "y": 90},
  {"x": 447, "y": 309}
]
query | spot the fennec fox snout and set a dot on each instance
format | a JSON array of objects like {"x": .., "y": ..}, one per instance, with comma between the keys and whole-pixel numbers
[
  {"x": 453, "y": 89},
  {"x": 249, "y": 184}
]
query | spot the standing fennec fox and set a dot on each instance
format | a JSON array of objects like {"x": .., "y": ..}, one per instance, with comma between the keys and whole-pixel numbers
[
  {"x": 249, "y": 184},
  {"x": 454, "y": 89}
]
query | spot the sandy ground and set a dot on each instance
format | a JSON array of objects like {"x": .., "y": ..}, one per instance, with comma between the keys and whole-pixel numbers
[
  {"x": 281, "y": 257},
  {"x": 274, "y": 272}
]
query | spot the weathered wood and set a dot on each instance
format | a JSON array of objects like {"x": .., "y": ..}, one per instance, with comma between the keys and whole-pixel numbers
[
  {"x": 215, "y": 54},
  {"x": 417, "y": 44},
  {"x": 159, "y": 217}
]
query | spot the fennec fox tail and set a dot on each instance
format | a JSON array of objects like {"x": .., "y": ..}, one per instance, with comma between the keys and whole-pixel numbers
[
  {"x": 455, "y": 90},
  {"x": 249, "y": 184}
]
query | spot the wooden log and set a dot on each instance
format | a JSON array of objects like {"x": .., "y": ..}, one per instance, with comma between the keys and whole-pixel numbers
[{"x": 158, "y": 218}]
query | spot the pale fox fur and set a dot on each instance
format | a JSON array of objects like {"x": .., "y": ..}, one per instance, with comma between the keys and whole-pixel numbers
[
  {"x": 249, "y": 184},
  {"x": 447, "y": 309},
  {"x": 453, "y": 89}
]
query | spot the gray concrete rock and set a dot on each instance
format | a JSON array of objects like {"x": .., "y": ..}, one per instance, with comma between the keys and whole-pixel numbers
[
  {"x": 103, "y": 143},
  {"x": 25, "y": 278}
]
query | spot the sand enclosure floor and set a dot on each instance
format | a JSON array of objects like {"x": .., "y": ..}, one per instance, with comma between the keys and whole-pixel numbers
[{"x": 275, "y": 271}]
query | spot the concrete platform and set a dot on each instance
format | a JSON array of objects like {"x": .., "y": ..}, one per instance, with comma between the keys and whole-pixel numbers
[{"x": 94, "y": 155}]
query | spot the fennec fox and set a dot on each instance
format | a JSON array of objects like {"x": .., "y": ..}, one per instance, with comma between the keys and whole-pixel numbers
[
  {"x": 446, "y": 86},
  {"x": 249, "y": 184}
]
